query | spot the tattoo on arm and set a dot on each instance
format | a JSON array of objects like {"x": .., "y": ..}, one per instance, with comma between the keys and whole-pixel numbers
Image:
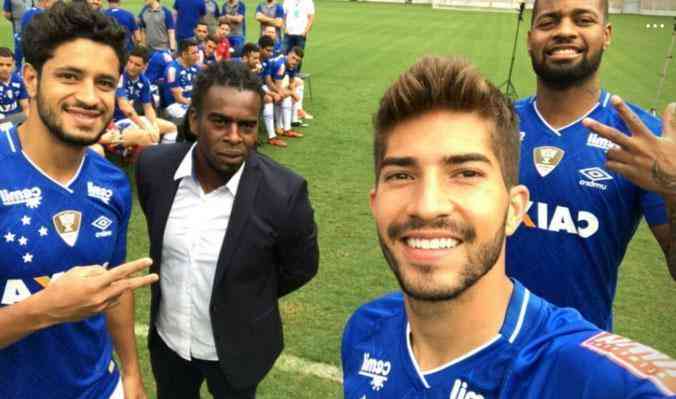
[{"x": 665, "y": 180}]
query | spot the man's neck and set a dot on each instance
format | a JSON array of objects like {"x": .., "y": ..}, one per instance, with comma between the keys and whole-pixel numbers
[
  {"x": 561, "y": 107},
  {"x": 57, "y": 159},
  {"x": 444, "y": 331}
]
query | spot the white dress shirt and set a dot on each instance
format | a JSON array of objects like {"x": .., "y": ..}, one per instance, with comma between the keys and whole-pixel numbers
[{"x": 192, "y": 242}]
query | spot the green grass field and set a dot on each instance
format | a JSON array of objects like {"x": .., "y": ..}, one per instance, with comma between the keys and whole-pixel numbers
[{"x": 354, "y": 52}]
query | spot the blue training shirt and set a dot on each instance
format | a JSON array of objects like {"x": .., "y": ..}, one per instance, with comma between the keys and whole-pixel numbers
[
  {"x": 581, "y": 216},
  {"x": 10, "y": 94},
  {"x": 156, "y": 65},
  {"x": 188, "y": 13},
  {"x": 541, "y": 351},
  {"x": 127, "y": 20},
  {"x": 176, "y": 75},
  {"x": 135, "y": 91},
  {"x": 46, "y": 228}
]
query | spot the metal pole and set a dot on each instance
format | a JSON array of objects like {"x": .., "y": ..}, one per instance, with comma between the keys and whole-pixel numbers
[
  {"x": 510, "y": 90},
  {"x": 665, "y": 67}
]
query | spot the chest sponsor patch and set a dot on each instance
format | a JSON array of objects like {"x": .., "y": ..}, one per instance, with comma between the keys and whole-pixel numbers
[
  {"x": 67, "y": 224},
  {"x": 641, "y": 360},
  {"x": 546, "y": 159}
]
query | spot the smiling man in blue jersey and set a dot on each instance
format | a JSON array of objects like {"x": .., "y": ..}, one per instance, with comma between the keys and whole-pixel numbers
[
  {"x": 13, "y": 96},
  {"x": 581, "y": 215},
  {"x": 62, "y": 206},
  {"x": 446, "y": 152}
]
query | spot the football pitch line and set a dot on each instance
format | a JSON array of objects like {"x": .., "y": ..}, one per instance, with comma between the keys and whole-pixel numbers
[{"x": 288, "y": 363}]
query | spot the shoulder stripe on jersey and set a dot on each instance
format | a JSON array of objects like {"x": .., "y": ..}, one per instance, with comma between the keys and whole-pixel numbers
[
  {"x": 7, "y": 128},
  {"x": 605, "y": 100},
  {"x": 522, "y": 316}
]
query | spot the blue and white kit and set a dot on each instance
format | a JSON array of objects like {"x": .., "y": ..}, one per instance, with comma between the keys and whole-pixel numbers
[
  {"x": 581, "y": 216},
  {"x": 46, "y": 228},
  {"x": 541, "y": 351}
]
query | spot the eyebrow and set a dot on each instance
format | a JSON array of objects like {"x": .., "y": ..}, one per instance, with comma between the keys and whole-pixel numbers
[
  {"x": 575, "y": 12},
  {"x": 448, "y": 160},
  {"x": 219, "y": 115},
  {"x": 80, "y": 71}
]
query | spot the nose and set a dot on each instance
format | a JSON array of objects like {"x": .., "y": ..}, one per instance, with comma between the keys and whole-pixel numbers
[
  {"x": 232, "y": 133},
  {"x": 566, "y": 29},
  {"x": 432, "y": 197},
  {"x": 86, "y": 93}
]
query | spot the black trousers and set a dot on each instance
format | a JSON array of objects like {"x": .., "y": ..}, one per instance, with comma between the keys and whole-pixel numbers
[{"x": 177, "y": 378}]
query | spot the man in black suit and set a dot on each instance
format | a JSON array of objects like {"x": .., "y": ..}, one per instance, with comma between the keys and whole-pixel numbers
[{"x": 231, "y": 231}]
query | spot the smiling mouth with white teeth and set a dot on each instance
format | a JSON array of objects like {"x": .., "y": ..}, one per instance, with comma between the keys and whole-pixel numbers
[{"x": 434, "y": 243}]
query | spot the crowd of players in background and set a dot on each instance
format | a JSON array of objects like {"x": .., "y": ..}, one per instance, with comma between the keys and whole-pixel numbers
[{"x": 166, "y": 50}]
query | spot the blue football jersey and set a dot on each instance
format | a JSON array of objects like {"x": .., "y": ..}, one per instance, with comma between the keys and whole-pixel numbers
[
  {"x": 47, "y": 228},
  {"x": 10, "y": 94},
  {"x": 135, "y": 91},
  {"x": 581, "y": 216},
  {"x": 541, "y": 351},
  {"x": 279, "y": 69},
  {"x": 176, "y": 75}
]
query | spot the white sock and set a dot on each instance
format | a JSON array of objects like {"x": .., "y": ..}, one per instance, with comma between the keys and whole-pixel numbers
[
  {"x": 300, "y": 89},
  {"x": 286, "y": 112},
  {"x": 168, "y": 138},
  {"x": 269, "y": 119}
]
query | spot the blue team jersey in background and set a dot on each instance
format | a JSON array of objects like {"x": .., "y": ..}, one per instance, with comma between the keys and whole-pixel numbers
[
  {"x": 28, "y": 15},
  {"x": 11, "y": 93},
  {"x": 582, "y": 215},
  {"x": 47, "y": 228},
  {"x": 156, "y": 65},
  {"x": 541, "y": 352},
  {"x": 278, "y": 68},
  {"x": 176, "y": 75},
  {"x": 135, "y": 91},
  {"x": 127, "y": 20},
  {"x": 188, "y": 13}
]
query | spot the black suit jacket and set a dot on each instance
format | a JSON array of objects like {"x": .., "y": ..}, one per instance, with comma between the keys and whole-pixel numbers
[{"x": 270, "y": 249}]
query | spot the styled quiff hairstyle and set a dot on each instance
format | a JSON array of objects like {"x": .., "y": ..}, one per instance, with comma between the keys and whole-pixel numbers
[{"x": 449, "y": 84}]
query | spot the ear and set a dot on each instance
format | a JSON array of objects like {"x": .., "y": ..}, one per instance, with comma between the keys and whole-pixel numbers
[
  {"x": 30, "y": 78},
  {"x": 528, "y": 41},
  {"x": 372, "y": 200},
  {"x": 607, "y": 35},
  {"x": 518, "y": 206},
  {"x": 192, "y": 120}
]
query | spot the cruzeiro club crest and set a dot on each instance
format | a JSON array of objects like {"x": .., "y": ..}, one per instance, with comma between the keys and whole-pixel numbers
[
  {"x": 67, "y": 224},
  {"x": 546, "y": 159}
]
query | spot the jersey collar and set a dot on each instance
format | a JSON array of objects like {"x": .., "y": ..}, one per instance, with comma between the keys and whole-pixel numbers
[{"x": 604, "y": 97}]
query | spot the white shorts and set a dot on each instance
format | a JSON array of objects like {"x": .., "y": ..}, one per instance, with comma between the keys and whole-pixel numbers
[{"x": 177, "y": 110}]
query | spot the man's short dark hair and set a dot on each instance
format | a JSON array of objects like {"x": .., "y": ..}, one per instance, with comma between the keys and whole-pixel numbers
[
  {"x": 212, "y": 38},
  {"x": 65, "y": 22},
  {"x": 249, "y": 48},
  {"x": 298, "y": 51},
  {"x": 604, "y": 5},
  {"x": 6, "y": 52},
  {"x": 449, "y": 84},
  {"x": 185, "y": 44},
  {"x": 227, "y": 73},
  {"x": 265, "y": 41},
  {"x": 142, "y": 52}
]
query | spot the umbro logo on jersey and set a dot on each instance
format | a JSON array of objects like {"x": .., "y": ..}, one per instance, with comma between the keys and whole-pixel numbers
[
  {"x": 546, "y": 159},
  {"x": 102, "y": 193},
  {"x": 377, "y": 370},
  {"x": 32, "y": 197},
  {"x": 594, "y": 140},
  {"x": 102, "y": 223},
  {"x": 67, "y": 224},
  {"x": 594, "y": 176},
  {"x": 460, "y": 391}
]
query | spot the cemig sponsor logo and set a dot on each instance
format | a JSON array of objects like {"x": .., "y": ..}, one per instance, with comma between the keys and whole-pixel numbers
[
  {"x": 594, "y": 176},
  {"x": 102, "y": 193},
  {"x": 377, "y": 370},
  {"x": 460, "y": 391},
  {"x": 586, "y": 224},
  {"x": 32, "y": 197},
  {"x": 594, "y": 140},
  {"x": 641, "y": 360}
]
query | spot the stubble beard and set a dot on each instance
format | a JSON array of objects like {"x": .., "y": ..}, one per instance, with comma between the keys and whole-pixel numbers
[{"x": 564, "y": 76}]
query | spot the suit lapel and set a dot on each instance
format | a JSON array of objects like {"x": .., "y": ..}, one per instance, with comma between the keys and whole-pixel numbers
[{"x": 239, "y": 217}]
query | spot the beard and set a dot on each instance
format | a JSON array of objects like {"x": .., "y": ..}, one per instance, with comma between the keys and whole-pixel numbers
[
  {"x": 562, "y": 77},
  {"x": 54, "y": 123},
  {"x": 480, "y": 260}
]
